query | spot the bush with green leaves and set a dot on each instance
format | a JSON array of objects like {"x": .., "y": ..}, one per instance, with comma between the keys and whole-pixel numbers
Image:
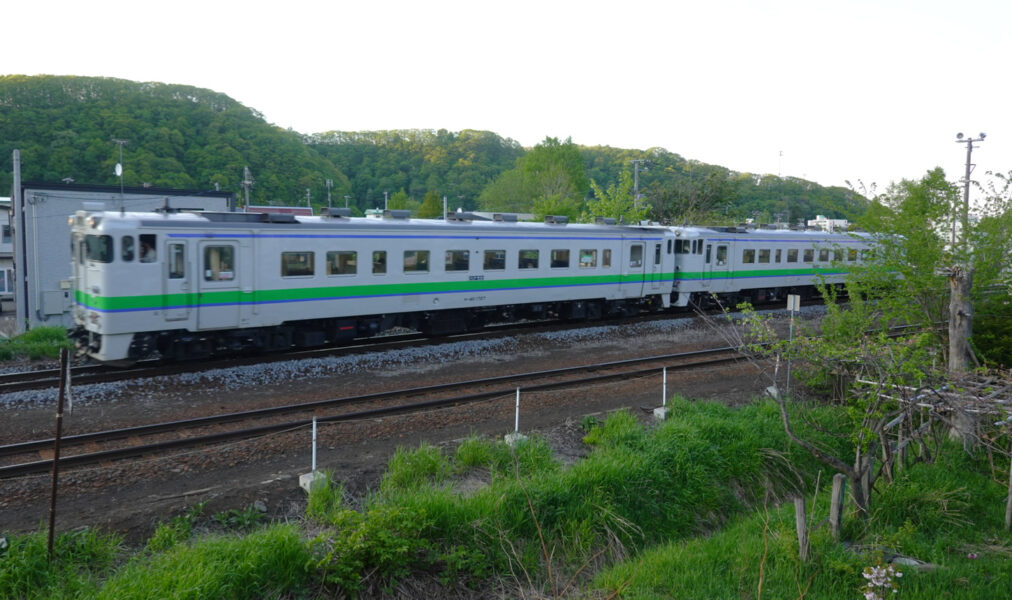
[{"x": 37, "y": 343}]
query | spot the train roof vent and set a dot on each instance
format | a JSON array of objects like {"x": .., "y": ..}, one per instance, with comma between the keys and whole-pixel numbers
[
  {"x": 270, "y": 217},
  {"x": 604, "y": 220},
  {"x": 464, "y": 216},
  {"x": 337, "y": 213},
  {"x": 396, "y": 214},
  {"x": 505, "y": 217},
  {"x": 556, "y": 219}
]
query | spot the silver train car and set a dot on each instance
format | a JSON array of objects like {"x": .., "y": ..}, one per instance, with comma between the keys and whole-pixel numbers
[
  {"x": 189, "y": 285},
  {"x": 184, "y": 286}
]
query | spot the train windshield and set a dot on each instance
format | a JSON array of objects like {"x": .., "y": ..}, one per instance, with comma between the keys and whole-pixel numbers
[{"x": 99, "y": 248}]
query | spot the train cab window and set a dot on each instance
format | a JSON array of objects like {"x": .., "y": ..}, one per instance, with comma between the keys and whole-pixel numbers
[
  {"x": 379, "y": 262},
  {"x": 851, "y": 254},
  {"x": 809, "y": 256},
  {"x": 177, "y": 261},
  {"x": 560, "y": 259},
  {"x": 792, "y": 255},
  {"x": 126, "y": 248},
  {"x": 748, "y": 256},
  {"x": 148, "y": 248},
  {"x": 99, "y": 248},
  {"x": 416, "y": 261},
  {"x": 721, "y": 256},
  {"x": 709, "y": 247},
  {"x": 495, "y": 260},
  {"x": 342, "y": 262},
  {"x": 457, "y": 260},
  {"x": 657, "y": 254},
  {"x": 697, "y": 246},
  {"x": 683, "y": 246},
  {"x": 764, "y": 256},
  {"x": 588, "y": 259},
  {"x": 298, "y": 264},
  {"x": 527, "y": 259},
  {"x": 636, "y": 256},
  {"x": 219, "y": 263},
  {"x": 669, "y": 246},
  {"x": 824, "y": 255},
  {"x": 778, "y": 254},
  {"x": 606, "y": 257},
  {"x": 838, "y": 255}
]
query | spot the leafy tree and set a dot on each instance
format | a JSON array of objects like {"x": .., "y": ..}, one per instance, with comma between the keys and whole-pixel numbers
[
  {"x": 432, "y": 206},
  {"x": 616, "y": 201}
]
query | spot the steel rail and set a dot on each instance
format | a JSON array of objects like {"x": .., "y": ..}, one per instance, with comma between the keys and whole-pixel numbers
[{"x": 99, "y": 456}]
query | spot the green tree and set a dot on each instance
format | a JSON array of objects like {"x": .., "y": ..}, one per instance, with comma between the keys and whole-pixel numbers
[
  {"x": 432, "y": 206},
  {"x": 616, "y": 201}
]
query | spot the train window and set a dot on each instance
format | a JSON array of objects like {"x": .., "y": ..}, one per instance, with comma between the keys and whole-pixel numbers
[
  {"x": 824, "y": 255},
  {"x": 867, "y": 254},
  {"x": 838, "y": 255},
  {"x": 379, "y": 262},
  {"x": 851, "y": 254},
  {"x": 416, "y": 261},
  {"x": 177, "y": 261},
  {"x": 126, "y": 251},
  {"x": 588, "y": 258},
  {"x": 528, "y": 259},
  {"x": 636, "y": 256},
  {"x": 708, "y": 248},
  {"x": 764, "y": 255},
  {"x": 297, "y": 264},
  {"x": 683, "y": 246},
  {"x": 698, "y": 246},
  {"x": 669, "y": 246},
  {"x": 606, "y": 257},
  {"x": 657, "y": 254},
  {"x": 458, "y": 260},
  {"x": 809, "y": 256},
  {"x": 99, "y": 248},
  {"x": 792, "y": 255},
  {"x": 342, "y": 262},
  {"x": 219, "y": 263},
  {"x": 148, "y": 248},
  {"x": 560, "y": 259},
  {"x": 777, "y": 259},
  {"x": 748, "y": 256},
  {"x": 721, "y": 256},
  {"x": 495, "y": 260}
]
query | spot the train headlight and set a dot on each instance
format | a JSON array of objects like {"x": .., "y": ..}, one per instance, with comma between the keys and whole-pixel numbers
[{"x": 93, "y": 222}]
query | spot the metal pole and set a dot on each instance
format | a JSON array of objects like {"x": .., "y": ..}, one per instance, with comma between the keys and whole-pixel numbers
[
  {"x": 664, "y": 388},
  {"x": 516, "y": 424},
  {"x": 64, "y": 359},
  {"x": 314, "y": 445}
]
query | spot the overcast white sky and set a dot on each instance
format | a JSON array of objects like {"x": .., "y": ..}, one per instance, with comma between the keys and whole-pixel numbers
[{"x": 871, "y": 90}]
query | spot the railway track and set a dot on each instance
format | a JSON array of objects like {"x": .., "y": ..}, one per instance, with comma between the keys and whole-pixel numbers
[{"x": 158, "y": 439}]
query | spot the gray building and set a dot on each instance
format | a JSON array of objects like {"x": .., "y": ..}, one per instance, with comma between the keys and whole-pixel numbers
[{"x": 41, "y": 238}]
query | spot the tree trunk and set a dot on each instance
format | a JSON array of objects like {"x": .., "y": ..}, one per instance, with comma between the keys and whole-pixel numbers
[{"x": 960, "y": 319}]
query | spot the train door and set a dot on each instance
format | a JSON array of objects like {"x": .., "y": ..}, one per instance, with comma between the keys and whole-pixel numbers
[
  {"x": 633, "y": 269},
  {"x": 655, "y": 268},
  {"x": 218, "y": 285},
  {"x": 716, "y": 265},
  {"x": 177, "y": 297}
]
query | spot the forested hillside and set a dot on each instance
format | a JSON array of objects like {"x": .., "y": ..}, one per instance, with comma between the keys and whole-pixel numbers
[{"x": 185, "y": 137}]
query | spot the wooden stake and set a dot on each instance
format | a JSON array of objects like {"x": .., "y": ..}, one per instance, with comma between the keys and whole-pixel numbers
[{"x": 801, "y": 524}]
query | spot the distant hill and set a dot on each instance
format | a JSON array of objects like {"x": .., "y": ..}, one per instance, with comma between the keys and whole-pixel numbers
[{"x": 181, "y": 136}]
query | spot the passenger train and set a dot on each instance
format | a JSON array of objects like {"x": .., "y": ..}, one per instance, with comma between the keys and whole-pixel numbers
[{"x": 187, "y": 285}]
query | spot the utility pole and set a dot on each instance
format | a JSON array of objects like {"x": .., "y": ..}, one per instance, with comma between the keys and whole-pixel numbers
[
  {"x": 119, "y": 166},
  {"x": 636, "y": 181},
  {"x": 961, "y": 276},
  {"x": 386, "y": 199},
  {"x": 309, "y": 200},
  {"x": 330, "y": 182},
  {"x": 247, "y": 182}
]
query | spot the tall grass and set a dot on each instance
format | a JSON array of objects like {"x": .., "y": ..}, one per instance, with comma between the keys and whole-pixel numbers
[
  {"x": 268, "y": 563},
  {"x": 37, "y": 343},
  {"x": 80, "y": 559},
  {"x": 948, "y": 515},
  {"x": 638, "y": 487}
]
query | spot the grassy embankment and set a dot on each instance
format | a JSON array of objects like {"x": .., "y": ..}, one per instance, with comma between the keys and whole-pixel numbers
[{"x": 690, "y": 508}]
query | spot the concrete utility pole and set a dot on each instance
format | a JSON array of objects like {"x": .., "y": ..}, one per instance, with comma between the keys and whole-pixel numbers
[
  {"x": 330, "y": 183},
  {"x": 247, "y": 182},
  {"x": 636, "y": 181},
  {"x": 961, "y": 277}
]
